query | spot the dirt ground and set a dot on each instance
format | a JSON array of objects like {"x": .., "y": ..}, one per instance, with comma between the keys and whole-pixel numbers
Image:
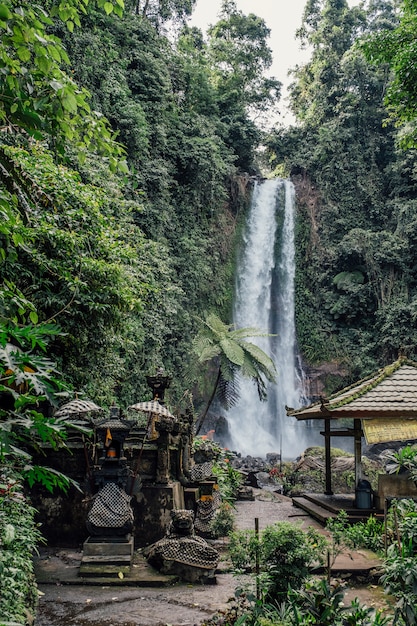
[{"x": 184, "y": 604}]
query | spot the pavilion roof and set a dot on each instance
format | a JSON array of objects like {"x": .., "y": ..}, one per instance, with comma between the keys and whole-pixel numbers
[{"x": 389, "y": 393}]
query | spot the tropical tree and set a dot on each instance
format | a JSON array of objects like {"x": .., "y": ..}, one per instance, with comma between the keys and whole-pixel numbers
[
  {"x": 160, "y": 11},
  {"x": 234, "y": 356},
  {"x": 394, "y": 48},
  {"x": 39, "y": 100},
  {"x": 239, "y": 56},
  {"x": 355, "y": 218},
  {"x": 36, "y": 94},
  {"x": 30, "y": 386}
]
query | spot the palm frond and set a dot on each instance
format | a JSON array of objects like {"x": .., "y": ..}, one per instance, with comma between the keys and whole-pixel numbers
[
  {"x": 262, "y": 360},
  {"x": 216, "y": 325},
  {"x": 236, "y": 356},
  {"x": 228, "y": 392},
  {"x": 248, "y": 333},
  {"x": 205, "y": 348},
  {"x": 261, "y": 388}
]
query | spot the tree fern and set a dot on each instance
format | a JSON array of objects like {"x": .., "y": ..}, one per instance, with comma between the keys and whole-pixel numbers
[{"x": 235, "y": 357}]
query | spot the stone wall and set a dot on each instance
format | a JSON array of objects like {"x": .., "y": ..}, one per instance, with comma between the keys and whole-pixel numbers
[
  {"x": 394, "y": 486},
  {"x": 62, "y": 517}
]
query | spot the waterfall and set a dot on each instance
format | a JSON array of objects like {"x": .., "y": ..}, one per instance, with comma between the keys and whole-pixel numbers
[{"x": 264, "y": 299}]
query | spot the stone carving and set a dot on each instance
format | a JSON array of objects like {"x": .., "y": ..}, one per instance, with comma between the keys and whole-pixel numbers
[{"x": 182, "y": 553}]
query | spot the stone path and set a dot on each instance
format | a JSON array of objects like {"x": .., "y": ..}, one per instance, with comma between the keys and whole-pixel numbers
[{"x": 64, "y": 602}]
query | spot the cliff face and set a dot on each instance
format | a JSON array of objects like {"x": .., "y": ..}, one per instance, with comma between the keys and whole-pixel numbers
[
  {"x": 308, "y": 202},
  {"x": 324, "y": 372},
  {"x": 321, "y": 379}
]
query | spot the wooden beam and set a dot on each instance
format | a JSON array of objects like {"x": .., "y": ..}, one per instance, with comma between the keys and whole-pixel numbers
[{"x": 340, "y": 433}]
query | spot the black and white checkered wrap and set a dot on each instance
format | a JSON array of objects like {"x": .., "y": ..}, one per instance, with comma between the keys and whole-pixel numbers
[
  {"x": 111, "y": 508},
  {"x": 193, "y": 551},
  {"x": 206, "y": 510},
  {"x": 200, "y": 471}
]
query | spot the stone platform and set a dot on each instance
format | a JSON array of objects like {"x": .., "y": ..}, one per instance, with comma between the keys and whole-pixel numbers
[{"x": 67, "y": 567}]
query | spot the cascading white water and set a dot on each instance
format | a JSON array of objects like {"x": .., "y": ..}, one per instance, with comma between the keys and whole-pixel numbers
[{"x": 264, "y": 299}]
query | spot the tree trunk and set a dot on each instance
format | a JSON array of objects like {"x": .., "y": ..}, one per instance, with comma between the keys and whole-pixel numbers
[{"x": 204, "y": 415}]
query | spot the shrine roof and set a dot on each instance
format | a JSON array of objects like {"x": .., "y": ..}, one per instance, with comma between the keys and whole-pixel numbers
[{"x": 391, "y": 392}]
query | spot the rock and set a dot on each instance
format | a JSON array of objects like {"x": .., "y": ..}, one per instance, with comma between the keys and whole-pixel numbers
[
  {"x": 245, "y": 493},
  {"x": 264, "y": 479},
  {"x": 273, "y": 458},
  {"x": 251, "y": 480}
]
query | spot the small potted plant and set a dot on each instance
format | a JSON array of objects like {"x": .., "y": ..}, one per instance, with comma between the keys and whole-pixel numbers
[{"x": 402, "y": 461}]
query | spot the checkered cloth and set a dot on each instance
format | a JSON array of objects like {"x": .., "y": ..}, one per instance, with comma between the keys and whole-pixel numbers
[
  {"x": 111, "y": 508},
  {"x": 200, "y": 471}
]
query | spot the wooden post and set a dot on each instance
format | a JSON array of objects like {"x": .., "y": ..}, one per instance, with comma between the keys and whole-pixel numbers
[
  {"x": 358, "y": 450},
  {"x": 328, "y": 472},
  {"x": 258, "y": 594}
]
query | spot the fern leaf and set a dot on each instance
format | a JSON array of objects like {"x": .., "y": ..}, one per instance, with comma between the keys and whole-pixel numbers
[{"x": 232, "y": 351}]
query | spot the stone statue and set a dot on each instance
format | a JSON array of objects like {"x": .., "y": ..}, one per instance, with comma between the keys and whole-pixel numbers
[{"x": 182, "y": 553}]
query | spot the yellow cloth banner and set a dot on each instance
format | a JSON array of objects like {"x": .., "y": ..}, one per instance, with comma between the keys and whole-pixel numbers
[
  {"x": 108, "y": 438},
  {"x": 382, "y": 430}
]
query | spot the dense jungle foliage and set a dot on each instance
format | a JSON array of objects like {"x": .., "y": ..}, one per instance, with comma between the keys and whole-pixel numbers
[
  {"x": 353, "y": 159},
  {"x": 127, "y": 146},
  {"x": 123, "y": 244}
]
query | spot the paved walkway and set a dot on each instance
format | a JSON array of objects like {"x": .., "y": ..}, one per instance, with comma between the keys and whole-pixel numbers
[{"x": 66, "y": 602}]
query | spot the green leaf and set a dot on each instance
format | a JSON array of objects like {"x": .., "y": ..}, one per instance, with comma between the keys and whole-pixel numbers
[
  {"x": 56, "y": 85},
  {"x": 33, "y": 316},
  {"x": 55, "y": 53},
  {"x": 69, "y": 102},
  {"x": 123, "y": 166},
  {"x": 4, "y": 12},
  {"x": 232, "y": 351},
  {"x": 44, "y": 63},
  {"x": 108, "y": 7},
  {"x": 23, "y": 53}
]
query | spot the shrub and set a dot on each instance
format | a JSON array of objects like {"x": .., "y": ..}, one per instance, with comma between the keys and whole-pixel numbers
[
  {"x": 368, "y": 534},
  {"x": 400, "y": 580},
  {"x": 18, "y": 539},
  {"x": 320, "y": 603},
  {"x": 400, "y": 567},
  {"x": 288, "y": 554},
  {"x": 402, "y": 526},
  {"x": 242, "y": 547},
  {"x": 223, "y": 521}
]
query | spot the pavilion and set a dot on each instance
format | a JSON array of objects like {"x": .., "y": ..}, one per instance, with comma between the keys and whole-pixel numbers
[{"x": 383, "y": 408}]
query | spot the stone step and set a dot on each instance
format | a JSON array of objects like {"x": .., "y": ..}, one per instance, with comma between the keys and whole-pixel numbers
[
  {"x": 108, "y": 548},
  {"x": 52, "y": 570},
  {"x": 318, "y": 512},
  {"x": 115, "y": 559},
  {"x": 98, "y": 570}
]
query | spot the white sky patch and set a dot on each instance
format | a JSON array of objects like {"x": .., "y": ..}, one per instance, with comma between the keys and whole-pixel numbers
[{"x": 283, "y": 18}]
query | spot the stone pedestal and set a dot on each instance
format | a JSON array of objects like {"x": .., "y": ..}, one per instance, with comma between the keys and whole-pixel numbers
[
  {"x": 394, "y": 485},
  {"x": 106, "y": 557}
]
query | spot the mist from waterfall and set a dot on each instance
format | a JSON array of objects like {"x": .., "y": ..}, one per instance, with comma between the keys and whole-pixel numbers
[{"x": 264, "y": 299}]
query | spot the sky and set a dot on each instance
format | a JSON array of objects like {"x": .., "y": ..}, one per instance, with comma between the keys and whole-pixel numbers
[{"x": 283, "y": 18}]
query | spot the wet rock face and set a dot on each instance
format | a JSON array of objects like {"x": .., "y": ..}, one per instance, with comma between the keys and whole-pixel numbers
[{"x": 253, "y": 464}]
